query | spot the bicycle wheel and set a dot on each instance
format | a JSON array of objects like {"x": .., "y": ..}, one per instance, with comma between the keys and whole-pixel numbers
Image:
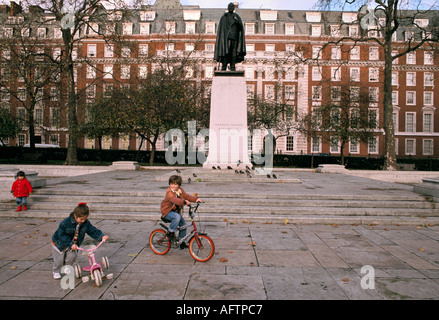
[
  {"x": 159, "y": 242},
  {"x": 201, "y": 248},
  {"x": 98, "y": 277}
]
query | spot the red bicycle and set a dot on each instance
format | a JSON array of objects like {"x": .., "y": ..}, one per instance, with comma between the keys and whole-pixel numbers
[{"x": 201, "y": 246}]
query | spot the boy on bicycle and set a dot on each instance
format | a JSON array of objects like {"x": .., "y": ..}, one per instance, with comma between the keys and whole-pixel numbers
[{"x": 172, "y": 206}]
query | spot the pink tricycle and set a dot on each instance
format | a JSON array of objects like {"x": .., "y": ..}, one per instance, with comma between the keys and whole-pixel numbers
[{"x": 95, "y": 268}]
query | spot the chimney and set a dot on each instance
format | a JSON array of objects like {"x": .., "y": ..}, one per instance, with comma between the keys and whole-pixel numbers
[
  {"x": 4, "y": 8},
  {"x": 15, "y": 9}
]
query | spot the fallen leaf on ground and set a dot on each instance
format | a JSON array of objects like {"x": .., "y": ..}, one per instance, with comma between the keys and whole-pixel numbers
[{"x": 223, "y": 260}]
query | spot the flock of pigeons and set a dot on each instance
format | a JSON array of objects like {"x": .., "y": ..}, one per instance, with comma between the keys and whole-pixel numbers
[{"x": 247, "y": 171}]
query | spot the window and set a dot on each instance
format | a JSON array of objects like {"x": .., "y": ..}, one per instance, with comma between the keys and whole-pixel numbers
[
  {"x": 410, "y": 98},
  {"x": 290, "y": 93},
  {"x": 317, "y": 93},
  {"x": 108, "y": 71},
  {"x": 355, "y": 53},
  {"x": 411, "y": 57},
  {"x": 125, "y": 71},
  {"x": 353, "y": 31},
  {"x": 249, "y": 28},
  {"x": 289, "y": 28},
  {"x": 394, "y": 78},
  {"x": 335, "y": 93},
  {"x": 427, "y": 125},
  {"x": 108, "y": 50},
  {"x": 335, "y": 145},
  {"x": 410, "y": 122},
  {"x": 125, "y": 52},
  {"x": 210, "y": 28},
  {"x": 249, "y": 72},
  {"x": 91, "y": 50},
  {"x": 269, "y": 28},
  {"x": 373, "y": 74},
  {"x": 269, "y": 48},
  {"x": 91, "y": 72},
  {"x": 316, "y": 30},
  {"x": 427, "y": 147},
  {"x": 315, "y": 145},
  {"x": 54, "y": 120},
  {"x": 249, "y": 47},
  {"x": 127, "y": 28},
  {"x": 428, "y": 98},
  {"x": 428, "y": 79},
  {"x": 189, "y": 47},
  {"x": 428, "y": 57},
  {"x": 143, "y": 50},
  {"x": 372, "y": 145},
  {"x": 373, "y": 53},
  {"x": 143, "y": 72},
  {"x": 41, "y": 33},
  {"x": 373, "y": 95},
  {"x": 411, "y": 78},
  {"x": 354, "y": 146},
  {"x": 269, "y": 92},
  {"x": 335, "y": 53},
  {"x": 144, "y": 28},
  {"x": 335, "y": 74},
  {"x": 190, "y": 27},
  {"x": 316, "y": 73},
  {"x": 410, "y": 146},
  {"x": 290, "y": 143},
  {"x": 170, "y": 27},
  {"x": 316, "y": 52}
]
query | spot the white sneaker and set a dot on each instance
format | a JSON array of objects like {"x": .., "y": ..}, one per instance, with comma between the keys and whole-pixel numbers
[{"x": 56, "y": 275}]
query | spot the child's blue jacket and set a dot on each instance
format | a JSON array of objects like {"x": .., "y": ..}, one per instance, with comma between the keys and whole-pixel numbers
[{"x": 63, "y": 236}]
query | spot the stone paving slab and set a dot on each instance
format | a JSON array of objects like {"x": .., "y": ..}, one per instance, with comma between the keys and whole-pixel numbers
[{"x": 252, "y": 261}]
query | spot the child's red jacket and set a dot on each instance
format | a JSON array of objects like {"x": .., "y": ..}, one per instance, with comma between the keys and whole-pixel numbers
[{"x": 21, "y": 188}]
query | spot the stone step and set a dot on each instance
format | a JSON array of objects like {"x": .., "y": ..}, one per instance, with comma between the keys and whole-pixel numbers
[
  {"x": 158, "y": 196},
  {"x": 246, "y": 218},
  {"x": 235, "y": 203},
  {"x": 227, "y": 209}
]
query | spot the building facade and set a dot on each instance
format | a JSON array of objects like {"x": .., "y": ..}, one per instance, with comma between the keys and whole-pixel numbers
[{"x": 297, "y": 57}]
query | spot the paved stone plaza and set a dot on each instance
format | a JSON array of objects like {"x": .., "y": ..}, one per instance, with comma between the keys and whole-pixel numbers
[{"x": 252, "y": 261}]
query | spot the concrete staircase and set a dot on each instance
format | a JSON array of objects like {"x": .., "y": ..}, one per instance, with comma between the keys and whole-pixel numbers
[{"x": 241, "y": 207}]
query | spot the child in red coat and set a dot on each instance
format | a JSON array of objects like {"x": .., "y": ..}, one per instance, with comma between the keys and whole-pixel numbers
[{"x": 21, "y": 188}]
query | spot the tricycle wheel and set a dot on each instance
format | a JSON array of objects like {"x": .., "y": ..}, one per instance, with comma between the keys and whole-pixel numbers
[
  {"x": 98, "y": 277},
  {"x": 105, "y": 263},
  {"x": 78, "y": 272}
]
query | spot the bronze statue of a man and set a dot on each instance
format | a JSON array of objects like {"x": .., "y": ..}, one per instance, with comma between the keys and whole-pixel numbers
[{"x": 230, "y": 40}]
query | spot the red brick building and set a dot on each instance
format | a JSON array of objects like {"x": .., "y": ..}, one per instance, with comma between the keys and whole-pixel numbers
[{"x": 294, "y": 56}]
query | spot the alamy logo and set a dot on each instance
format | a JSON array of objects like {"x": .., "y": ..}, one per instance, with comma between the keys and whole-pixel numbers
[
  {"x": 68, "y": 21},
  {"x": 369, "y": 19}
]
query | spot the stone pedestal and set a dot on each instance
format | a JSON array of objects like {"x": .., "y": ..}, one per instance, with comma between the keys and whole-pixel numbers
[
  {"x": 125, "y": 165},
  {"x": 228, "y": 132},
  {"x": 8, "y": 176}
]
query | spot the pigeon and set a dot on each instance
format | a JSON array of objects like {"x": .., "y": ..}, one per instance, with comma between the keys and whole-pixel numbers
[
  {"x": 241, "y": 172},
  {"x": 248, "y": 175},
  {"x": 268, "y": 176},
  {"x": 213, "y": 168},
  {"x": 247, "y": 167},
  {"x": 274, "y": 176},
  {"x": 219, "y": 168},
  {"x": 229, "y": 167},
  {"x": 238, "y": 163},
  {"x": 178, "y": 171},
  {"x": 236, "y": 171},
  {"x": 189, "y": 180},
  {"x": 194, "y": 175}
]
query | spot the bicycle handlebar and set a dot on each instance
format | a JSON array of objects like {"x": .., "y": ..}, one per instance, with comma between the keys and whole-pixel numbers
[{"x": 92, "y": 249}]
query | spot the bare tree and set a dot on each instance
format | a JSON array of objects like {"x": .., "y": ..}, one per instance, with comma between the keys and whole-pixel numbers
[{"x": 380, "y": 25}]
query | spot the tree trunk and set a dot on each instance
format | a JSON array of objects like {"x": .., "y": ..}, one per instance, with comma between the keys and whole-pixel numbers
[
  {"x": 389, "y": 152},
  {"x": 72, "y": 151}
]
